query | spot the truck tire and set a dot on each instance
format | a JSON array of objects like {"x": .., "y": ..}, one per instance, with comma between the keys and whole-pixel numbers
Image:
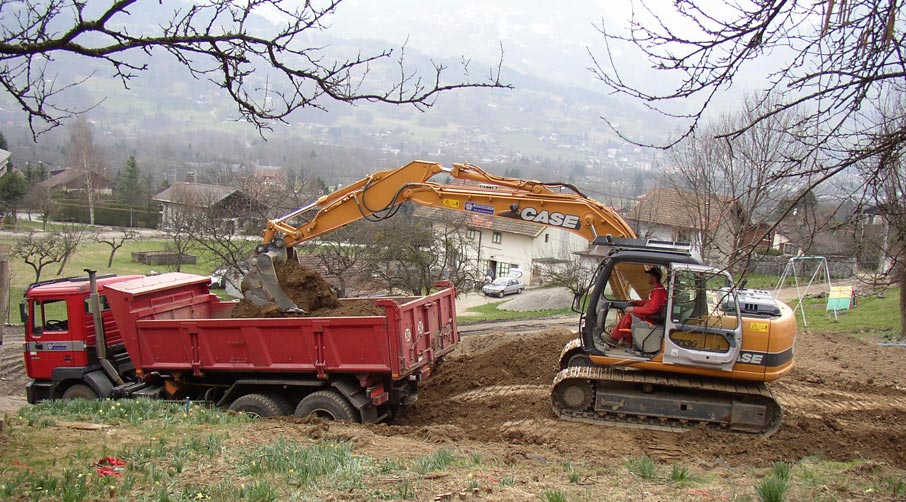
[
  {"x": 260, "y": 406},
  {"x": 79, "y": 391},
  {"x": 326, "y": 404}
]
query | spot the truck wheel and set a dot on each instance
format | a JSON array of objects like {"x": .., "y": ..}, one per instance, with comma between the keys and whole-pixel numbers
[
  {"x": 258, "y": 406},
  {"x": 326, "y": 404},
  {"x": 79, "y": 391}
]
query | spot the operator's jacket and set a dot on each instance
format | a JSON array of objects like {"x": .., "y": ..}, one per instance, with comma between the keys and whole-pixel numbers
[{"x": 650, "y": 310}]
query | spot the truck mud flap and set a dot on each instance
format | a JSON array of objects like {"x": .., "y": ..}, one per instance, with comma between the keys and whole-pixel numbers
[
  {"x": 100, "y": 382},
  {"x": 356, "y": 395}
]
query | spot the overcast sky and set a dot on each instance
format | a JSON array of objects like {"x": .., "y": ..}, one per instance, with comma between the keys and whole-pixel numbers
[{"x": 538, "y": 37}]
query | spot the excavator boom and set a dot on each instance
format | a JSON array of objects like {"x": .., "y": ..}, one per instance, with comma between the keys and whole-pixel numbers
[
  {"x": 377, "y": 196},
  {"x": 498, "y": 196}
]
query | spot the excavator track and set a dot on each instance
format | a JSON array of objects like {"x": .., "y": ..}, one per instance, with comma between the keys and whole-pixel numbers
[{"x": 655, "y": 401}]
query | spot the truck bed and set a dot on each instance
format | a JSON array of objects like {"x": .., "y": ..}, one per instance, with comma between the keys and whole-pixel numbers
[{"x": 172, "y": 322}]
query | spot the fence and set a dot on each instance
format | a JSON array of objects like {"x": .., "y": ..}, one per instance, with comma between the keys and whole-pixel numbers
[{"x": 839, "y": 267}]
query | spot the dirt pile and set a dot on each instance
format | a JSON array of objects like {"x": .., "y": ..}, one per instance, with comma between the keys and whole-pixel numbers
[
  {"x": 311, "y": 293},
  {"x": 843, "y": 401}
]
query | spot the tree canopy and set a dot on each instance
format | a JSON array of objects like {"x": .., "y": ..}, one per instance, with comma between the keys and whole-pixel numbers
[
  {"x": 12, "y": 191},
  {"x": 268, "y": 69},
  {"x": 832, "y": 63},
  {"x": 836, "y": 75}
]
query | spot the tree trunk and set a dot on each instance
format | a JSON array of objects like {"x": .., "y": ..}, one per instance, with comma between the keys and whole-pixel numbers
[{"x": 903, "y": 302}]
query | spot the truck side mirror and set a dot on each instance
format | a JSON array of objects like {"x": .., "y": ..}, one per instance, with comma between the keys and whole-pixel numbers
[{"x": 23, "y": 311}]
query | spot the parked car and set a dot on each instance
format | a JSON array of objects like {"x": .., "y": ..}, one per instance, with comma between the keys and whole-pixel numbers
[
  {"x": 503, "y": 286},
  {"x": 228, "y": 278}
]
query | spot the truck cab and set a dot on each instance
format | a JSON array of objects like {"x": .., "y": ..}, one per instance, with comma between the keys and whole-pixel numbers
[{"x": 60, "y": 342}]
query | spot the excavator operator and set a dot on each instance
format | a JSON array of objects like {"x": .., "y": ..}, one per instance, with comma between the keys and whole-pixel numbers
[{"x": 650, "y": 310}]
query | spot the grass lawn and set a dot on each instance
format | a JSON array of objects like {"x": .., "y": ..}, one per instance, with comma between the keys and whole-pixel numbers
[
  {"x": 490, "y": 312},
  {"x": 875, "y": 315},
  {"x": 94, "y": 255}
]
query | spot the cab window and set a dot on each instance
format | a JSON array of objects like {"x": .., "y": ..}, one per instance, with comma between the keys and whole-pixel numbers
[
  {"x": 701, "y": 298},
  {"x": 627, "y": 281},
  {"x": 50, "y": 316}
]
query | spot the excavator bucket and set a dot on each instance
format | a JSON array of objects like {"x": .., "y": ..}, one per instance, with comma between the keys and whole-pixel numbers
[{"x": 260, "y": 285}]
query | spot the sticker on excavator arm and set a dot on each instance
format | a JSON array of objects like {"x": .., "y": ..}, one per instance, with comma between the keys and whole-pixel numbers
[
  {"x": 759, "y": 327},
  {"x": 451, "y": 203},
  {"x": 476, "y": 207}
]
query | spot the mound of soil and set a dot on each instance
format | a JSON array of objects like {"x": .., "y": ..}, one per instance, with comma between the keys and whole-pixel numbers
[
  {"x": 843, "y": 401},
  {"x": 311, "y": 293}
]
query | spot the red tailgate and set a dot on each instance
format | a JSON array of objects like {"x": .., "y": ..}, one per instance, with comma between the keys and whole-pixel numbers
[{"x": 423, "y": 328}]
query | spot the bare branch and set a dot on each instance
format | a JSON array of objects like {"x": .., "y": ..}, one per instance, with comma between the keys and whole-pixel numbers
[{"x": 268, "y": 75}]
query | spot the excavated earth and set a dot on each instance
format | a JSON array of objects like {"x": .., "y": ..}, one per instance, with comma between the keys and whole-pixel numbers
[
  {"x": 311, "y": 293},
  {"x": 845, "y": 400}
]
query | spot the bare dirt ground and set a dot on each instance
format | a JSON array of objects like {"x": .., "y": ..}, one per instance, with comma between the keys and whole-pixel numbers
[{"x": 846, "y": 399}]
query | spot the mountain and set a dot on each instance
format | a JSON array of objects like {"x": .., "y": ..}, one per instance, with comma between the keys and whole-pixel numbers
[{"x": 549, "y": 123}]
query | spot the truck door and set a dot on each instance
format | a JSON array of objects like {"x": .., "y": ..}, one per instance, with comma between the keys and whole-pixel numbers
[
  {"x": 703, "y": 324},
  {"x": 48, "y": 343}
]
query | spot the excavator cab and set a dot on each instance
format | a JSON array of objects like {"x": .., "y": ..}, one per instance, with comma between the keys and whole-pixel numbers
[{"x": 699, "y": 325}]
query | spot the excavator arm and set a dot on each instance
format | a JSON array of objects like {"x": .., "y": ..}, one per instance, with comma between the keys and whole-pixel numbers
[{"x": 377, "y": 196}]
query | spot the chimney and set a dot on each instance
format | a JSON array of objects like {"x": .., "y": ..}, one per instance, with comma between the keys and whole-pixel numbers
[{"x": 190, "y": 177}]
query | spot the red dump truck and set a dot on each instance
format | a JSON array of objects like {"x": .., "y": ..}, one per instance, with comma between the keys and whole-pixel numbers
[{"x": 168, "y": 337}]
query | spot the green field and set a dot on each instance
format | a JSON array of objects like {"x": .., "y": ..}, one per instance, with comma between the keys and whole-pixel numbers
[
  {"x": 877, "y": 314},
  {"x": 94, "y": 255}
]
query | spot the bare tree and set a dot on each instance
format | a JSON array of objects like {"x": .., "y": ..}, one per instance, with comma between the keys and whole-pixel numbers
[
  {"x": 84, "y": 156},
  {"x": 39, "y": 251},
  {"x": 40, "y": 200},
  {"x": 116, "y": 240},
  {"x": 572, "y": 274},
  {"x": 838, "y": 59},
  {"x": 268, "y": 74},
  {"x": 730, "y": 187},
  {"x": 883, "y": 188},
  {"x": 344, "y": 252},
  {"x": 70, "y": 236},
  {"x": 214, "y": 219},
  {"x": 841, "y": 54},
  {"x": 410, "y": 254}
]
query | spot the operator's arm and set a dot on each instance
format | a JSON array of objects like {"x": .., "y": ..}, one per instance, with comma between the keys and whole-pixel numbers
[{"x": 654, "y": 304}]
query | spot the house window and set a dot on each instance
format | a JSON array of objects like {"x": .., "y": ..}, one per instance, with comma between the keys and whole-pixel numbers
[
  {"x": 470, "y": 234},
  {"x": 497, "y": 238},
  {"x": 503, "y": 269}
]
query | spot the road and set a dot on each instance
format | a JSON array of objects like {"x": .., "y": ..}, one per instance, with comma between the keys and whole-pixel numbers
[{"x": 519, "y": 325}]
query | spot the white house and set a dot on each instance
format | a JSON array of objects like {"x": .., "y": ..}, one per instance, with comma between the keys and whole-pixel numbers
[
  {"x": 709, "y": 223},
  {"x": 501, "y": 245}
]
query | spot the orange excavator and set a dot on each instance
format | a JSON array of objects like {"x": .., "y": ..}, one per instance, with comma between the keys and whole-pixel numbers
[{"x": 704, "y": 360}]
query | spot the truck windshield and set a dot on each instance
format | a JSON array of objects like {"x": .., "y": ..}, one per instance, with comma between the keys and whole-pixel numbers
[{"x": 50, "y": 316}]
